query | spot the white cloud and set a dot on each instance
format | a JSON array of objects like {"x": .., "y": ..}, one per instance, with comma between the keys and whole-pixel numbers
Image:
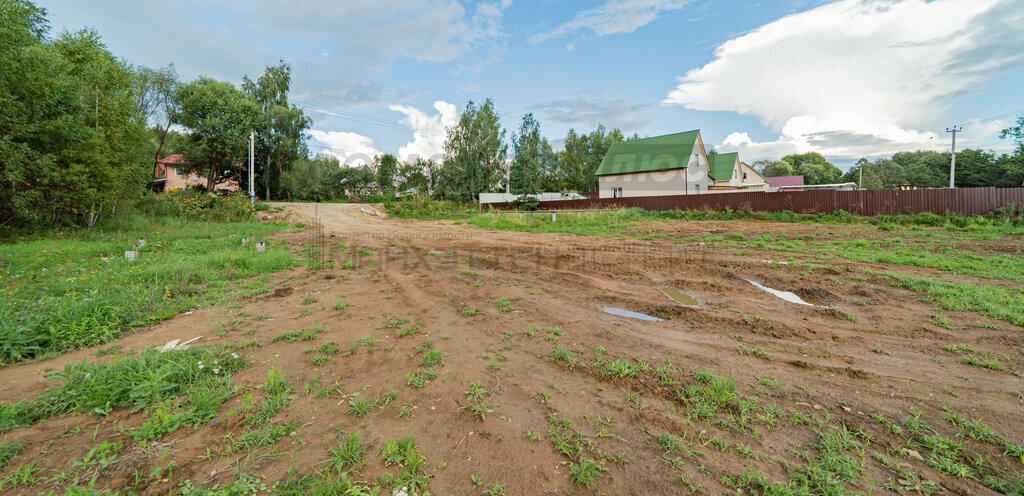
[
  {"x": 349, "y": 148},
  {"x": 857, "y": 77},
  {"x": 429, "y": 131},
  {"x": 614, "y": 17}
]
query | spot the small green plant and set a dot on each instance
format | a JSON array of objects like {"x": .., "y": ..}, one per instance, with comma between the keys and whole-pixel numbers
[
  {"x": 431, "y": 358},
  {"x": 475, "y": 391},
  {"x": 768, "y": 381},
  {"x": 752, "y": 351},
  {"x": 495, "y": 489},
  {"x": 504, "y": 305},
  {"x": 983, "y": 362},
  {"x": 880, "y": 350},
  {"x": 411, "y": 329},
  {"x": 340, "y": 305},
  {"x": 307, "y": 334},
  {"x": 420, "y": 378},
  {"x": 359, "y": 405},
  {"x": 349, "y": 453},
  {"x": 469, "y": 312},
  {"x": 586, "y": 472}
]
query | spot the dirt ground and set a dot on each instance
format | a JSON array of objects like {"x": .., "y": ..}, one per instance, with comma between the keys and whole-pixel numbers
[{"x": 438, "y": 272}]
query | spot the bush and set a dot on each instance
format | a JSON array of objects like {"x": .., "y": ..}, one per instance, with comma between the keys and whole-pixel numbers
[
  {"x": 424, "y": 207},
  {"x": 195, "y": 205},
  {"x": 525, "y": 202}
]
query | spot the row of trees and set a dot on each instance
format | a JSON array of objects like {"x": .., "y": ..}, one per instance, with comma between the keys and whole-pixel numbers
[
  {"x": 81, "y": 131},
  {"x": 476, "y": 157}
]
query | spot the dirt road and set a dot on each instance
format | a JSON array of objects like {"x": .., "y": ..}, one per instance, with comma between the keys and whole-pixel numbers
[{"x": 499, "y": 304}]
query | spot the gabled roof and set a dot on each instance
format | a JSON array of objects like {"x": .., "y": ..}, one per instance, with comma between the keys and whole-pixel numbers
[
  {"x": 671, "y": 151},
  {"x": 177, "y": 158},
  {"x": 722, "y": 165}
]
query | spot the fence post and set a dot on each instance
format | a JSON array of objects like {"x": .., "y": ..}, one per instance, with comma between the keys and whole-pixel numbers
[{"x": 554, "y": 217}]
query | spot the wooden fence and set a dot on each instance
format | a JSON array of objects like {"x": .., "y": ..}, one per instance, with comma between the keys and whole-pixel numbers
[{"x": 962, "y": 201}]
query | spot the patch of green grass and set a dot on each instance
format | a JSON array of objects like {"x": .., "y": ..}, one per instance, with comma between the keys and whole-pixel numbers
[
  {"x": 753, "y": 351},
  {"x": 10, "y": 450},
  {"x": 504, "y": 305},
  {"x": 140, "y": 381},
  {"x": 983, "y": 362},
  {"x": 359, "y": 405},
  {"x": 958, "y": 348},
  {"x": 420, "y": 378},
  {"x": 348, "y": 454},
  {"x": 306, "y": 334},
  {"x": 76, "y": 291},
  {"x": 469, "y": 312},
  {"x": 768, "y": 381},
  {"x": 411, "y": 329},
  {"x": 431, "y": 358},
  {"x": 341, "y": 305},
  {"x": 391, "y": 323},
  {"x": 880, "y": 350},
  {"x": 997, "y": 302}
]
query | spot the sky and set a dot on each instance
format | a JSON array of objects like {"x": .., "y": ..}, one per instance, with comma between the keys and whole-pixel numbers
[{"x": 848, "y": 78}]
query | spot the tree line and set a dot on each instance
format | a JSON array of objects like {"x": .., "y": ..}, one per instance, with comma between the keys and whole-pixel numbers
[{"x": 81, "y": 131}]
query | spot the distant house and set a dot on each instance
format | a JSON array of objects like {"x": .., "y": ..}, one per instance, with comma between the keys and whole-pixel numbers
[
  {"x": 790, "y": 182},
  {"x": 729, "y": 174},
  {"x": 674, "y": 164},
  {"x": 170, "y": 177}
]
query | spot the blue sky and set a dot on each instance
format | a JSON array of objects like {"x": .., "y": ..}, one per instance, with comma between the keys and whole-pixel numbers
[{"x": 849, "y": 79}]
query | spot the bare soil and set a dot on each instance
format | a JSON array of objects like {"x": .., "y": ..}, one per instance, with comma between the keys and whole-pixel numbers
[{"x": 427, "y": 270}]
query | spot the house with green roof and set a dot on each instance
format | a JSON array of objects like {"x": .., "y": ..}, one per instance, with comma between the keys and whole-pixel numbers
[
  {"x": 729, "y": 173},
  {"x": 674, "y": 164}
]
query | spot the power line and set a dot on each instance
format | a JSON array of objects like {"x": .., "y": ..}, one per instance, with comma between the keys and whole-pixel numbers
[{"x": 989, "y": 119}]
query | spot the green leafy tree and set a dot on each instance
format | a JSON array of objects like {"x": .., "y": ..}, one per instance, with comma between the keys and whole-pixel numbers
[
  {"x": 70, "y": 139},
  {"x": 774, "y": 168},
  {"x": 814, "y": 168},
  {"x": 417, "y": 175},
  {"x": 219, "y": 119},
  {"x": 281, "y": 133},
  {"x": 475, "y": 154},
  {"x": 582, "y": 155},
  {"x": 532, "y": 155},
  {"x": 385, "y": 168},
  {"x": 155, "y": 103}
]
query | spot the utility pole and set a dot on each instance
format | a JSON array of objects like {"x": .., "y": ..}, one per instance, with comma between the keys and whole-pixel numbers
[
  {"x": 952, "y": 159},
  {"x": 860, "y": 182},
  {"x": 252, "y": 166}
]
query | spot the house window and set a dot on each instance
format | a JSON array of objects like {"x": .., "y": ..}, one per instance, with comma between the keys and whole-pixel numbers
[
  {"x": 698, "y": 189},
  {"x": 177, "y": 172},
  {"x": 744, "y": 176},
  {"x": 616, "y": 192}
]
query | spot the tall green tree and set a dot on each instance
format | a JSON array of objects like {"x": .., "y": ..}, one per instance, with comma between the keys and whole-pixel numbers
[
  {"x": 531, "y": 156},
  {"x": 70, "y": 139},
  {"x": 281, "y": 133},
  {"x": 155, "y": 97},
  {"x": 582, "y": 155},
  {"x": 475, "y": 153},
  {"x": 385, "y": 168},
  {"x": 219, "y": 118}
]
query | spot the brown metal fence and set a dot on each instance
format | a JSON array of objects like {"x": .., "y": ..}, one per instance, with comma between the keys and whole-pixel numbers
[{"x": 963, "y": 201}]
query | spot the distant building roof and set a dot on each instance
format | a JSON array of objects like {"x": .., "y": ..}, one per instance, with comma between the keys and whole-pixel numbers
[
  {"x": 177, "y": 158},
  {"x": 723, "y": 165},
  {"x": 775, "y": 182},
  {"x": 671, "y": 151}
]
